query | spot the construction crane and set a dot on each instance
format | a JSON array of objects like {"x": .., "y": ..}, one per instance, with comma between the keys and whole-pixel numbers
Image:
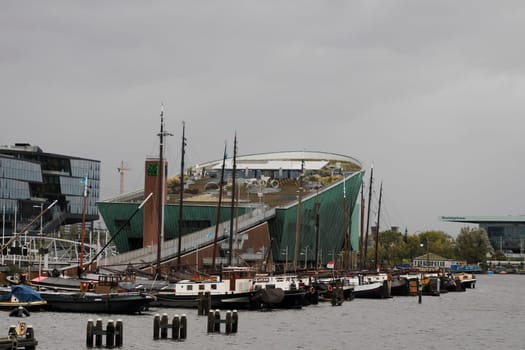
[{"x": 121, "y": 170}]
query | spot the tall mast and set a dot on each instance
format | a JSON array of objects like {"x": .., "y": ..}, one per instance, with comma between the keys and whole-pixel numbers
[
  {"x": 233, "y": 199},
  {"x": 377, "y": 231},
  {"x": 362, "y": 226},
  {"x": 345, "y": 226},
  {"x": 298, "y": 223},
  {"x": 218, "y": 217},
  {"x": 317, "y": 233},
  {"x": 84, "y": 181},
  {"x": 160, "y": 198},
  {"x": 365, "y": 247},
  {"x": 181, "y": 192}
]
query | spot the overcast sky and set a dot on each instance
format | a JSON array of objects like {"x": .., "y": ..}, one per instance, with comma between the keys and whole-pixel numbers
[{"x": 430, "y": 92}]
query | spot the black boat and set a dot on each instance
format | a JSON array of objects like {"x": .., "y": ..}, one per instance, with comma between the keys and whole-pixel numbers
[
  {"x": 278, "y": 291},
  {"x": 108, "y": 303}
]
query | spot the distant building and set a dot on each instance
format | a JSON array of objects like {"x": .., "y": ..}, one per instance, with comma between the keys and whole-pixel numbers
[
  {"x": 434, "y": 261},
  {"x": 506, "y": 233},
  {"x": 31, "y": 179}
]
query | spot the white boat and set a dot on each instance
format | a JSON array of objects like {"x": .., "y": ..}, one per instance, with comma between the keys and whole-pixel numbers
[{"x": 232, "y": 289}]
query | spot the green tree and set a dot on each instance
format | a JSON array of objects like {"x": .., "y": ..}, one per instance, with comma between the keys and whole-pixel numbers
[
  {"x": 437, "y": 242},
  {"x": 472, "y": 245},
  {"x": 391, "y": 248}
]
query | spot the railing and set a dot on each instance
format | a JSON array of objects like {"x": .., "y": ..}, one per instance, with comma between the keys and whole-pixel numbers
[{"x": 191, "y": 241}]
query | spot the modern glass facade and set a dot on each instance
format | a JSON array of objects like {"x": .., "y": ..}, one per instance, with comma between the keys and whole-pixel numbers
[
  {"x": 31, "y": 179},
  {"x": 506, "y": 233}
]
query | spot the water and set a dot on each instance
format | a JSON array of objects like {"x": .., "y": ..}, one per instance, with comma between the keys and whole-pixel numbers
[{"x": 490, "y": 316}]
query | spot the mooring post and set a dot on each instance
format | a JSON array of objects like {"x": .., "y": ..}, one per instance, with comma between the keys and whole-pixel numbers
[
  {"x": 235, "y": 321},
  {"x": 231, "y": 321},
  {"x": 175, "y": 327},
  {"x": 156, "y": 326},
  {"x": 207, "y": 304},
  {"x": 419, "y": 290},
  {"x": 183, "y": 326},
  {"x": 98, "y": 333},
  {"x": 119, "y": 333},
  {"x": 164, "y": 326},
  {"x": 89, "y": 333},
  {"x": 110, "y": 334},
  {"x": 211, "y": 321},
  {"x": 228, "y": 328},
  {"x": 217, "y": 321},
  {"x": 200, "y": 304}
]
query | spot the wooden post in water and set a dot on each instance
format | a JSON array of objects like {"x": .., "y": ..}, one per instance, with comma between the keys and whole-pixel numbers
[
  {"x": 419, "y": 290},
  {"x": 163, "y": 326},
  {"x": 89, "y": 333},
  {"x": 119, "y": 333},
  {"x": 110, "y": 334},
  {"x": 98, "y": 333}
]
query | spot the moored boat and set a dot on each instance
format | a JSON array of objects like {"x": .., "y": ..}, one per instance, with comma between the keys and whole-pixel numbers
[
  {"x": 21, "y": 295},
  {"x": 267, "y": 285},
  {"x": 110, "y": 303},
  {"x": 467, "y": 280},
  {"x": 372, "y": 286},
  {"x": 232, "y": 289}
]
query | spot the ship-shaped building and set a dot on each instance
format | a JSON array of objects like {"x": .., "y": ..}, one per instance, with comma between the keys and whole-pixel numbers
[{"x": 298, "y": 207}]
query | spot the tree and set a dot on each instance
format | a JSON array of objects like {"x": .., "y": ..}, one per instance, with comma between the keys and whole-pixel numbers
[
  {"x": 391, "y": 248},
  {"x": 472, "y": 245},
  {"x": 437, "y": 242}
]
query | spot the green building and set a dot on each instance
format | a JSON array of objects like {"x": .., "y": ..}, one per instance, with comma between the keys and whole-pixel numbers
[{"x": 320, "y": 189}]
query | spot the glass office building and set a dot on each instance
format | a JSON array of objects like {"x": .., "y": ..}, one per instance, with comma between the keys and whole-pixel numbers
[
  {"x": 31, "y": 179},
  {"x": 506, "y": 233}
]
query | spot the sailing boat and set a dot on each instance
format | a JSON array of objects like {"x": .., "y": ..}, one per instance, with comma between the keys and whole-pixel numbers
[
  {"x": 232, "y": 288},
  {"x": 106, "y": 295}
]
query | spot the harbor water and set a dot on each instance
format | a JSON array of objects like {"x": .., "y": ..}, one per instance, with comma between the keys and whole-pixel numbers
[{"x": 492, "y": 315}]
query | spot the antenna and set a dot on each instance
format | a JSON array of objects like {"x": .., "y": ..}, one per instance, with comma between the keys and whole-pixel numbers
[{"x": 121, "y": 170}]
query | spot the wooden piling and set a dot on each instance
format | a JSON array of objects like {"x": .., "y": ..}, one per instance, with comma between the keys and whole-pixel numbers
[
  {"x": 163, "y": 326},
  {"x": 217, "y": 321},
  {"x": 231, "y": 321},
  {"x": 89, "y": 333},
  {"x": 119, "y": 333},
  {"x": 228, "y": 328},
  {"x": 235, "y": 321},
  {"x": 98, "y": 333},
  {"x": 156, "y": 326},
  {"x": 419, "y": 291},
  {"x": 178, "y": 326},
  {"x": 175, "y": 327},
  {"x": 110, "y": 334},
  {"x": 183, "y": 326},
  {"x": 211, "y": 321},
  {"x": 203, "y": 303}
]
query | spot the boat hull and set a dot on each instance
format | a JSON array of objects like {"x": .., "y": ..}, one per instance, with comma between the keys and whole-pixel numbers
[
  {"x": 116, "y": 303},
  {"x": 218, "y": 301}
]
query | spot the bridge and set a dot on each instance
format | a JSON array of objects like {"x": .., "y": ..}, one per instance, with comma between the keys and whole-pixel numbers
[{"x": 48, "y": 253}]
